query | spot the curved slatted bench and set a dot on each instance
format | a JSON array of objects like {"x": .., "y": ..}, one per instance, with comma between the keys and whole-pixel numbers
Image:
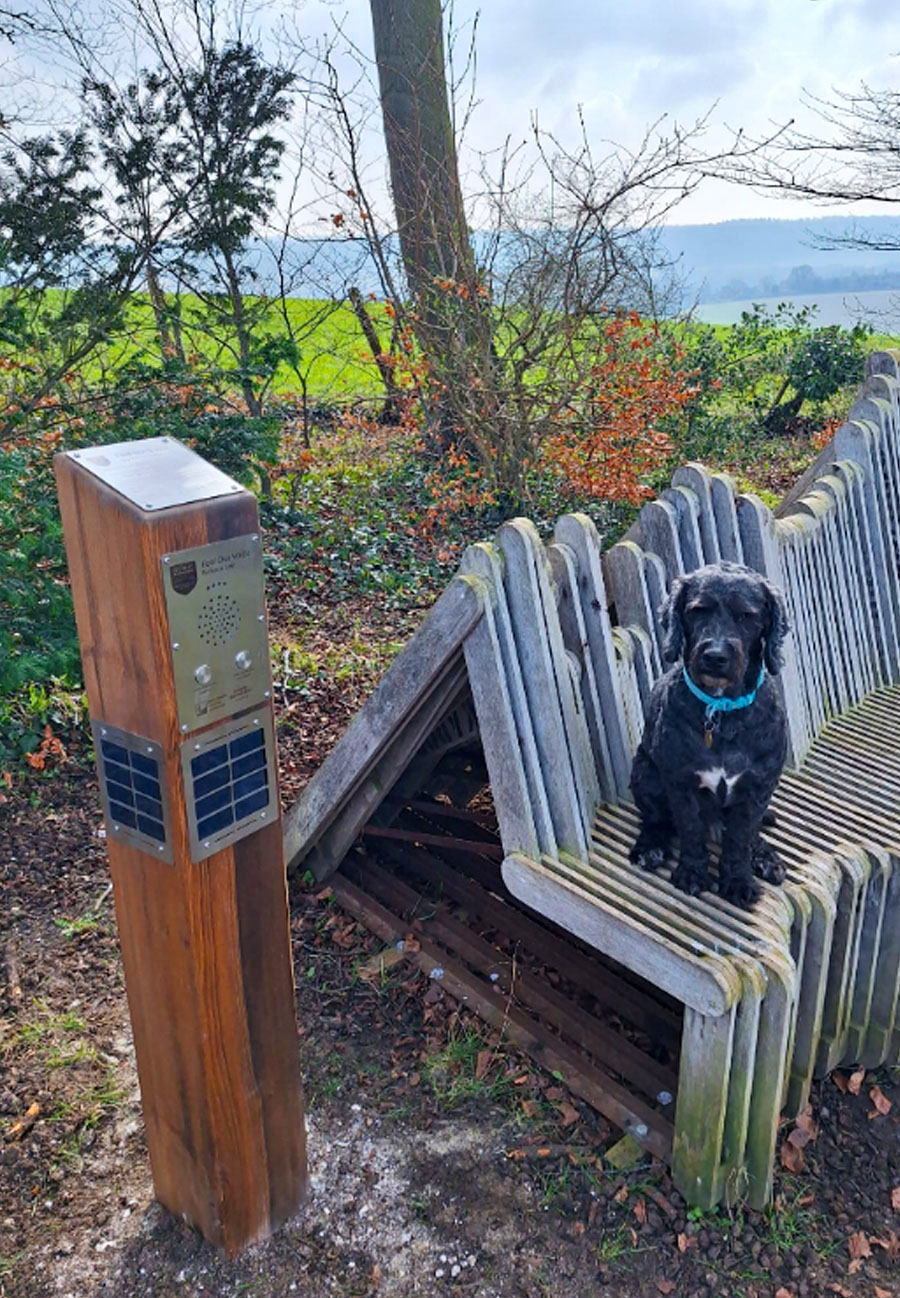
[{"x": 554, "y": 651}]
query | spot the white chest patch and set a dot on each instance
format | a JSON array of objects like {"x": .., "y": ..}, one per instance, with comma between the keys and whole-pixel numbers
[{"x": 713, "y": 777}]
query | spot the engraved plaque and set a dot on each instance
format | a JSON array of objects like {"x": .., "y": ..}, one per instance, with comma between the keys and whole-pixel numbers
[
  {"x": 229, "y": 782},
  {"x": 217, "y": 629},
  {"x": 156, "y": 472},
  {"x": 135, "y": 798}
]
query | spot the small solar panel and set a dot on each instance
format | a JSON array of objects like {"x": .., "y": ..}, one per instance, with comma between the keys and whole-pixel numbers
[
  {"x": 135, "y": 805},
  {"x": 229, "y": 778}
]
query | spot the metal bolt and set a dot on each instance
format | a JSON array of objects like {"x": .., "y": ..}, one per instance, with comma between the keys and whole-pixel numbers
[
  {"x": 640, "y": 1130},
  {"x": 266, "y": 694},
  {"x": 261, "y": 617},
  {"x": 115, "y": 829},
  {"x": 160, "y": 848},
  {"x": 262, "y": 815},
  {"x": 184, "y": 727},
  {"x": 256, "y": 721},
  {"x": 149, "y": 749},
  {"x": 255, "y": 536},
  {"x": 664, "y": 1097},
  {"x": 167, "y": 558},
  {"x": 175, "y": 644},
  {"x": 206, "y": 844},
  {"x": 103, "y": 730},
  {"x": 196, "y": 748}
]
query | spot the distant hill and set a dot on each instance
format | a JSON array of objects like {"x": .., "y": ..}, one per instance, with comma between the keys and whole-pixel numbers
[
  {"x": 765, "y": 258},
  {"x": 732, "y": 260}
]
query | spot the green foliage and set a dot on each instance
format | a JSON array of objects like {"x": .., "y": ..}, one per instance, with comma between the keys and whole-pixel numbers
[
  {"x": 771, "y": 374},
  {"x": 827, "y": 359}
]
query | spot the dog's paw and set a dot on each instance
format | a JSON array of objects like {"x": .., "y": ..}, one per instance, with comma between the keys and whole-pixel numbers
[
  {"x": 647, "y": 858},
  {"x": 691, "y": 878},
  {"x": 766, "y": 863},
  {"x": 741, "y": 890}
]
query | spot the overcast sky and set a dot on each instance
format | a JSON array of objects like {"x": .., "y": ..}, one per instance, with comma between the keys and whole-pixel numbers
[{"x": 627, "y": 62}]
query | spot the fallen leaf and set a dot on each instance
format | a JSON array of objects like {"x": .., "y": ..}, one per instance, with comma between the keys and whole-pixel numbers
[
  {"x": 880, "y": 1100},
  {"x": 520, "y": 1081},
  {"x": 806, "y": 1200},
  {"x": 621, "y": 1194},
  {"x": 854, "y": 1266},
  {"x": 800, "y": 1137},
  {"x": 882, "y": 1293},
  {"x": 554, "y": 1092},
  {"x": 578, "y": 1228},
  {"x": 23, "y": 1124},
  {"x": 839, "y": 1289},
  {"x": 664, "y": 1285},
  {"x": 685, "y": 1242},
  {"x": 791, "y": 1157},
  {"x": 890, "y": 1245},
  {"x": 482, "y": 1063},
  {"x": 375, "y": 1276},
  {"x": 568, "y": 1114},
  {"x": 840, "y": 1081},
  {"x": 784, "y": 1293},
  {"x": 895, "y": 1198},
  {"x": 640, "y": 1211},
  {"x": 324, "y": 894},
  {"x": 856, "y": 1080},
  {"x": 858, "y": 1245},
  {"x": 531, "y": 1108}
]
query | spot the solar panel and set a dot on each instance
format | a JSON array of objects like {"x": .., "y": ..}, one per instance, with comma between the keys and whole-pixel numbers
[
  {"x": 135, "y": 805},
  {"x": 229, "y": 780}
]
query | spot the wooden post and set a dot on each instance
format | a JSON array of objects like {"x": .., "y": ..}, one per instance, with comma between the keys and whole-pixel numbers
[{"x": 166, "y": 569}]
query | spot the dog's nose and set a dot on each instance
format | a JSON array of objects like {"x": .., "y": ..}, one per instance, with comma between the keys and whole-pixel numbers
[{"x": 714, "y": 661}]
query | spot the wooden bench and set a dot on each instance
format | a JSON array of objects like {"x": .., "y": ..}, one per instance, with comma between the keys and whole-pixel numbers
[{"x": 551, "y": 652}]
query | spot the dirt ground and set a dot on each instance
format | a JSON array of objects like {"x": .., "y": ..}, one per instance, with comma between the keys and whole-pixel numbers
[{"x": 442, "y": 1163}]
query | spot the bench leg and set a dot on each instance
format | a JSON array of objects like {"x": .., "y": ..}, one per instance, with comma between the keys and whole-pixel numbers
[{"x": 703, "y": 1085}]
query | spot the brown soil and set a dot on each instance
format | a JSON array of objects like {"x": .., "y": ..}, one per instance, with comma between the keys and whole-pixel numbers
[{"x": 432, "y": 1173}]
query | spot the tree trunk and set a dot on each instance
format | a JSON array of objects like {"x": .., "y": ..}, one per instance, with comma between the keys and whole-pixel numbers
[
  {"x": 409, "y": 51},
  {"x": 448, "y": 318},
  {"x": 391, "y": 408}
]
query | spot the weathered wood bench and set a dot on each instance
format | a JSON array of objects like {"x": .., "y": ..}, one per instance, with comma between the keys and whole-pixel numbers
[{"x": 551, "y": 653}]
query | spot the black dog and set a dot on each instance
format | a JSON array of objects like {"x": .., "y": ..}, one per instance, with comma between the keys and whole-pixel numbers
[{"x": 715, "y": 738}]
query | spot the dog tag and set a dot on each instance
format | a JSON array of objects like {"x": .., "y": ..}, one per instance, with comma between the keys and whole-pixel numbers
[{"x": 707, "y": 736}]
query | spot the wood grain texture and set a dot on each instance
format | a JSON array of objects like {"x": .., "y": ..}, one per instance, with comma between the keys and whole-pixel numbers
[{"x": 205, "y": 946}]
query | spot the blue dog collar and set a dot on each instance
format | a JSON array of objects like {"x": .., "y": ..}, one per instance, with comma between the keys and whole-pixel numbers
[{"x": 714, "y": 705}]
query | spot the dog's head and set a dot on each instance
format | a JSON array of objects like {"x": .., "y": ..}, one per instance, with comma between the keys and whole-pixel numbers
[{"x": 724, "y": 620}]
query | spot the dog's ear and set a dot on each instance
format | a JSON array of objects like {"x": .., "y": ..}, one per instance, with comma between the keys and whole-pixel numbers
[
  {"x": 671, "y": 618},
  {"x": 777, "y": 627}
]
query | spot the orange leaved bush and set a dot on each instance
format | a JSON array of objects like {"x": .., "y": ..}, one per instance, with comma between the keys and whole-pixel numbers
[{"x": 611, "y": 444}]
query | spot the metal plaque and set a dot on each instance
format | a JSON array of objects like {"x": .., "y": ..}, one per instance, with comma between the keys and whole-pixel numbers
[
  {"x": 132, "y": 784},
  {"x": 155, "y": 472},
  {"x": 229, "y": 782},
  {"x": 217, "y": 629}
]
